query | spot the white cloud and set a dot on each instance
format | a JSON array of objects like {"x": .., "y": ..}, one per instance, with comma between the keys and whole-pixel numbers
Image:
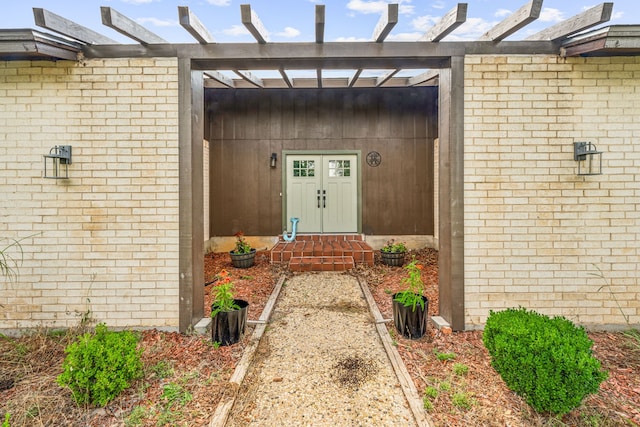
[
  {"x": 138, "y": 1},
  {"x": 379, "y": 6},
  {"x": 438, "y": 5},
  {"x": 236, "y": 30},
  {"x": 219, "y": 2},
  {"x": 472, "y": 29},
  {"x": 551, "y": 15},
  {"x": 158, "y": 22},
  {"x": 405, "y": 37},
  {"x": 289, "y": 32},
  {"x": 352, "y": 39},
  {"x": 502, "y": 13},
  {"x": 617, "y": 15},
  {"x": 423, "y": 23}
]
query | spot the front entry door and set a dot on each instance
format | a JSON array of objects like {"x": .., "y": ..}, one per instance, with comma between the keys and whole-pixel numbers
[{"x": 322, "y": 190}]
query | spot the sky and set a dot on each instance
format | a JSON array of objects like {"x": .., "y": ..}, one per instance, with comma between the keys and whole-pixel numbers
[{"x": 294, "y": 20}]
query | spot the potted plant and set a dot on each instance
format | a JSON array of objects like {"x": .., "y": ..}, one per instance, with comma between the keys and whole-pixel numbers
[
  {"x": 393, "y": 253},
  {"x": 243, "y": 256},
  {"x": 410, "y": 306},
  {"x": 228, "y": 314}
]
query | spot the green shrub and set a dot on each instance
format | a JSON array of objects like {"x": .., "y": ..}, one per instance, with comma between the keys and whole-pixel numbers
[
  {"x": 546, "y": 360},
  {"x": 98, "y": 366}
]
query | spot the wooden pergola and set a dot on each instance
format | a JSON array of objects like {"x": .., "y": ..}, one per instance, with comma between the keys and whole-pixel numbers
[{"x": 201, "y": 65}]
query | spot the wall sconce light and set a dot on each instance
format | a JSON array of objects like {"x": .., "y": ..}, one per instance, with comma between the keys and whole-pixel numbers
[
  {"x": 588, "y": 157},
  {"x": 58, "y": 156},
  {"x": 274, "y": 158}
]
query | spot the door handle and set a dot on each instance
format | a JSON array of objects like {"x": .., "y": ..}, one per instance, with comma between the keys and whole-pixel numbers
[
  {"x": 324, "y": 198},
  {"x": 318, "y": 199}
]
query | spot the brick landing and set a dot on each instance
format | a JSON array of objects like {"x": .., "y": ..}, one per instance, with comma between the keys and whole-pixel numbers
[{"x": 323, "y": 252}]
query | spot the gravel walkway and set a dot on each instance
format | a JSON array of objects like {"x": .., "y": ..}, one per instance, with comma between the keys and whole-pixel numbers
[{"x": 321, "y": 362}]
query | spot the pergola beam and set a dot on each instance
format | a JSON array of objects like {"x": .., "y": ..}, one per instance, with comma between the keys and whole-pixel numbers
[
  {"x": 387, "y": 21},
  {"x": 320, "y": 19},
  {"x": 354, "y": 78},
  {"x": 114, "y": 19},
  {"x": 254, "y": 80},
  {"x": 516, "y": 21},
  {"x": 383, "y": 79},
  {"x": 587, "y": 19},
  {"x": 423, "y": 78},
  {"x": 219, "y": 77},
  {"x": 252, "y": 22},
  {"x": 194, "y": 26},
  {"x": 285, "y": 77},
  {"x": 45, "y": 19},
  {"x": 319, "y": 77},
  {"x": 449, "y": 22}
]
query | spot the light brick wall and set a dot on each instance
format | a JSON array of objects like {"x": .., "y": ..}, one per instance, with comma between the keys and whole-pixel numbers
[
  {"x": 106, "y": 240},
  {"x": 535, "y": 232}
]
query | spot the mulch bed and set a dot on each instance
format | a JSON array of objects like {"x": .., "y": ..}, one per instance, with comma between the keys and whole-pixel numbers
[{"x": 30, "y": 364}]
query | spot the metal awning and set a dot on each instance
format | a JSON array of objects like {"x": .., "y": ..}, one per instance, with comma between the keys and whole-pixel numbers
[{"x": 27, "y": 44}]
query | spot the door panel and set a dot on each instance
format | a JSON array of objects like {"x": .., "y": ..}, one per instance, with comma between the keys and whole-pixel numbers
[
  {"x": 340, "y": 183},
  {"x": 303, "y": 183},
  {"x": 322, "y": 191}
]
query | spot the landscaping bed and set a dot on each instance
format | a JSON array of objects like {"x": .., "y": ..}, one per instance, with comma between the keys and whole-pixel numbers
[{"x": 455, "y": 368}]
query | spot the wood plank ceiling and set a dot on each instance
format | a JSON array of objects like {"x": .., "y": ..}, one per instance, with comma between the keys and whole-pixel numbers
[{"x": 230, "y": 65}]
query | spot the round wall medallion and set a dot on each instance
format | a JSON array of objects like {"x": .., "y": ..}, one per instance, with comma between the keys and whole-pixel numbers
[{"x": 374, "y": 159}]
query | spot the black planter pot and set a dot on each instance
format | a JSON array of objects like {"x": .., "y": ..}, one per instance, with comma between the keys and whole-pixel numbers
[
  {"x": 227, "y": 327},
  {"x": 395, "y": 259},
  {"x": 243, "y": 260},
  {"x": 411, "y": 324}
]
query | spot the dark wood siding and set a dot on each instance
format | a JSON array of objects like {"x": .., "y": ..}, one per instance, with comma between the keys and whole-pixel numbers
[{"x": 245, "y": 126}]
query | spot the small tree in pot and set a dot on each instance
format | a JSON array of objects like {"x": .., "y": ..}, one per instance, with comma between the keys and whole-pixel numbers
[
  {"x": 243, "y": 256},
  {"x": 410, "y": 306},
  {"x": 228, "y": 314},
  {"x": 393, "y": 253}
]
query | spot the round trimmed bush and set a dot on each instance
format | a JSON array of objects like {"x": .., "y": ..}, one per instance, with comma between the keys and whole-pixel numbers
[{"x": 548, "y": 361}]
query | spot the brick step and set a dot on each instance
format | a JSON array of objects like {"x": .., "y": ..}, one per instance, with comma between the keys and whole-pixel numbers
[
  {"x": 361, "y": 253},
  {"x": 321, "y": 263}
]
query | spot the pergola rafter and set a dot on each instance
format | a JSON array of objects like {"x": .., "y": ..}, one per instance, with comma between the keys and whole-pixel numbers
[{"x": 431, "y": 53}]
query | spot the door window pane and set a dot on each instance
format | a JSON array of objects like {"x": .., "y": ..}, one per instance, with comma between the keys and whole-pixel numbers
[
  {"x": 339, "y": 168},
  {"x": 304, "y": 168}
]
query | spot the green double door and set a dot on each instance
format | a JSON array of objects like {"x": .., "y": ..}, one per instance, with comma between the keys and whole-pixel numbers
[{"x": 322, "y": 190}]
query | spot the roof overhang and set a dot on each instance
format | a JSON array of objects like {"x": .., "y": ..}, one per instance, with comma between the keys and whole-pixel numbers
[
  {"x": 615, "y": 40},
  {"x": 27, "y": 44}
]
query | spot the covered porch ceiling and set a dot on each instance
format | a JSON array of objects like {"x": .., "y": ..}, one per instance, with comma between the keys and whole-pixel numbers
[{"x": 377, "y": 63}]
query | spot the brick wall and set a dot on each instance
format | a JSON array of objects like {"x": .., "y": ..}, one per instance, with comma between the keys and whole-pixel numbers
[
  {"x": 536, "y": 234},
  {"x": 106, "y": 240}
]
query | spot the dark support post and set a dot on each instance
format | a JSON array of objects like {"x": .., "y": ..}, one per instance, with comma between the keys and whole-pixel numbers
[
  {"x": 451, "y": 193},
  {"x": 191, "y": 238}
]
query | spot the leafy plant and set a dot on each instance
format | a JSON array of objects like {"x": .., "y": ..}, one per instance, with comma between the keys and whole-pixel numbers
[
  {"x": 431, "y": 392},
  {"x": 412, "y": 295},
  {"x": 98, "y": 366},
  {"x": 173, "y": 395},
  {"x": 223, "y": 298},
  {"x": 242, "y": 247},
  {"x": 546, "y": 360},
  {"x": 443, "y": 357},
  {"x": 392, "y": 247},
  {"x": 7, "y": 417},
  {"x": 460, "y": 369},
  {"x": 162, "y": 369},
  {"x": 462, "y": 400},
  {"x": 136, "y": 416}
]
